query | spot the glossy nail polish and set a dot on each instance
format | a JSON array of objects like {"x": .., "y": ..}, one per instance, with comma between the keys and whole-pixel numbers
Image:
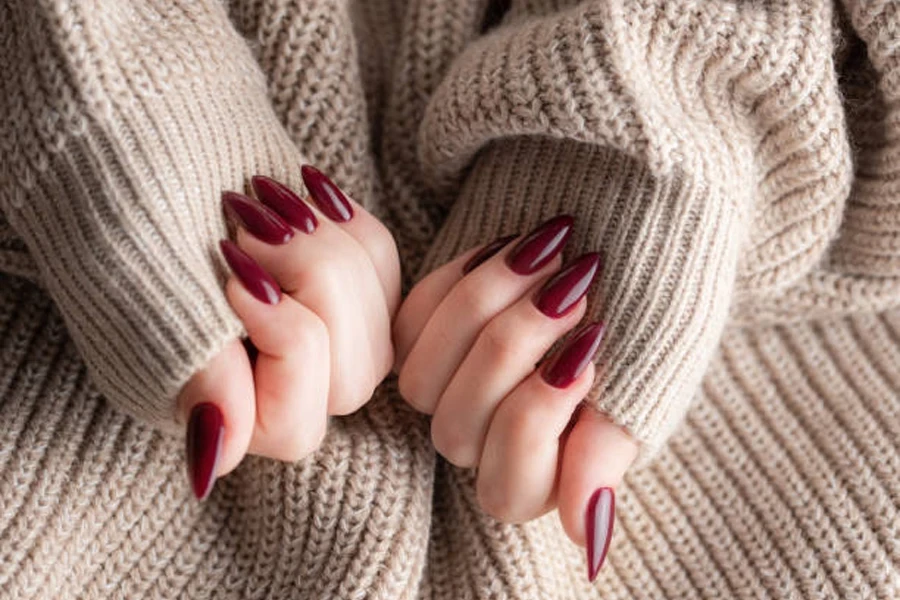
[
  {"x": 327, "y": 196},
  {"x": 487, "y": 252},
  {"x": 563, "y": 291},
  {"x": 574, "y": 357},
  {"x": 255, "y": 279},
  {"x": 598, "y": 526},
  {"x": 540, "y": 246},
  {"x": 205, "y": 430},
  {"x": 258, "y": 220},
  {"x": 285, "y": 202}
]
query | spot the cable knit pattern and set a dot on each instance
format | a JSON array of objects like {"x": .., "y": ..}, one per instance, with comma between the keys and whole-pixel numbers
[{"x": 736, "y": 162}]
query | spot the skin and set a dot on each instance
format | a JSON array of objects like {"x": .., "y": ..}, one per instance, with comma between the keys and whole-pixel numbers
[
  {"x": 323, "y": 348},
  {"x": 466, "y": 349}
]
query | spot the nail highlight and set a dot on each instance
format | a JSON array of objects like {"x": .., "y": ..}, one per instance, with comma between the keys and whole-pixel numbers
[
  {"x": 598, "y": 525},
  {"x": 285, "y": 202},
  {"x": 565, "y": 289},
  {"x": 487, "y": 252},
  {"x": 205, "y": 431},
  {"x": 259, "y": 221},
  {"x": 254, "y": 277},
  {"x": 574, "y": 357},
  {"x": 327, "y": 196},
  {"x": 539, "y": 247}
]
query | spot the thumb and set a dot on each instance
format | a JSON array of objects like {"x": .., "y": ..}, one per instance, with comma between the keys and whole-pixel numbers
[
  {"x": 218, "y": 405},
  {"x": 596, "y": 454}
]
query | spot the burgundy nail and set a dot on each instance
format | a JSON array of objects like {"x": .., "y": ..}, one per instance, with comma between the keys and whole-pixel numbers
[
  {"x": 598, "y": 522},
  {"x": 205, "y": 431},
  {"x": 574, "y": 357},
  {"x": 260, "y": 221},
  {"x": 487, "y": 252},
  {"x": 285, "y": 202},
  {"x": 327, "y": 196},
  {"x": 255, "y": 279},
  {"x": 563, "y": 291},
  {"x": 540, "y": 246}
]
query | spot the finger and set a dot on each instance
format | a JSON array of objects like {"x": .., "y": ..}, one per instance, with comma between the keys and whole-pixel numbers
[
  {"x": 361, "y": 226},
  {"x": 330, "y": 274},
  {"x": 425, "y": 297},
  {"x": 503, "y": 355},
  {"x": 596, "y": 455},
  {"x": 471, "y": 304},
  {"x": 218, "y": 406},
  {"x": 291, "y": 374},
  {"x": 517, "y": 470}
]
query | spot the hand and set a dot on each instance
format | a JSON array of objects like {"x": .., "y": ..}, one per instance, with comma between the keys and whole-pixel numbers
[
  {"x": 467, "y": 340},
  {"x": 316, "y": 291}
]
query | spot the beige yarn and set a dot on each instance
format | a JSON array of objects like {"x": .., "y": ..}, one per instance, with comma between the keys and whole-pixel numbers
[{"x": 736, "y": 162}]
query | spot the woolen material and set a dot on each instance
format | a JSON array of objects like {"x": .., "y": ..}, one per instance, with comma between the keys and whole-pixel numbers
[{"x": 736, "y": 163}]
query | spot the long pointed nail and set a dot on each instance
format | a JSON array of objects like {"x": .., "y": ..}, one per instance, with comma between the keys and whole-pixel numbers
[
  {"x": 487, "y": 252},
  {"x": 539, "y": 247},
  {"x": 285, "y": 202},
  {"x": 259, "y": 221},
  {"x": 254, "y": 277},
  {"x": 574, "y": 357},
  {"x": 598, "y": 522},
  {"x": 205, "y": 431},
  {"x": 565, "y": 289},
  {"x": 327, "y": 196}
]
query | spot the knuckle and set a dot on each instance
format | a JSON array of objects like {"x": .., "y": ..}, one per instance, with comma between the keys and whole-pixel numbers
[
  {"x": 296, "y": 446},
  {"x": 471, "y": 301},
  {"x": 410, "y": 385},
  {"x": 349, "y": 399},
  {"x": 501, "y": 341},
  {"x": 383, "y": 246},
  {"x": 452, "y": 445},
  {"x": 496, "y": 500}
]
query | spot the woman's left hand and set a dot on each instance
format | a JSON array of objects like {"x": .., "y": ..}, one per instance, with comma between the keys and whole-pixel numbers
[{"x": 467, "y": 340}]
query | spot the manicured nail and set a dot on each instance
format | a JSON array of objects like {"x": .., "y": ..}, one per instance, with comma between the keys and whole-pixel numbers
[
  {"x": 255, "y": 279},
  {"x": 488, "y": 251},
  {"x": 285, "y": 202},
  {"x": 327, "y": 196},
  {"x": 598, "y": 525},
  {"x": 205, "y": 430},
  {"x": 540, "y": 246},
  {"x": 259, "y": 221},
  {"x": 563, "y": 291},
  {"x": 574, "y": 357}
]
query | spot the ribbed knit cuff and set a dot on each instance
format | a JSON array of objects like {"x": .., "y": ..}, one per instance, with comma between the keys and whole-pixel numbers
[
  {"x": 671, "y": 251},
  {"x": 117, "y": 200}
]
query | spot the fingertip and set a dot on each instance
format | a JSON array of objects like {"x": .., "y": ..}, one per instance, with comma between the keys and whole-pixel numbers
[
  {"x": 218, "y": 407},
  {"x": 596, "y": 455}
]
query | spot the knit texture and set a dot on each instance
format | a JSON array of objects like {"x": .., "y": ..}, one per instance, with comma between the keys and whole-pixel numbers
[{"x": 736, "y": 163}]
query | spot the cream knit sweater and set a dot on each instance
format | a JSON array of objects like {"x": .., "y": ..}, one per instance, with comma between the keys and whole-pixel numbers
[{"x": 737, "y": 162}]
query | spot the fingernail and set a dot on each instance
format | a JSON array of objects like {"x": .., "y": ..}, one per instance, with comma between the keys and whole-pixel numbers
[
  {"x": 260, "y": 221},
  {"x": 255, "y": 279},
  {"x": 205, "y": 430},
  {"x": 285, "y": 202},
  {"x": 563, "y": 291},
  {"x": 540, "y": 246},
  {"x": 574, "y": 357},
  {"x": 598, "y": 522},
  {"x": 488, "y": 251},
  {"x": 327, "y": 196}
]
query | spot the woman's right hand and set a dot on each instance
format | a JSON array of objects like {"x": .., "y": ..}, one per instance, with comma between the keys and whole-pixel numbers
[{"x": 316, "y": 291}]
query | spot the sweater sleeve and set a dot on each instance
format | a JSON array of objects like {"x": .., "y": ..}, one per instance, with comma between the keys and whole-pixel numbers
[
  {"x": 663, "y": 128},
  {"x": 121, "y": 124}
]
